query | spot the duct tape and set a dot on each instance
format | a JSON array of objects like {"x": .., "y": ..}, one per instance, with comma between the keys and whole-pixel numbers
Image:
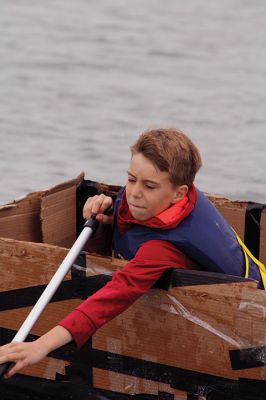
[
  {"x": 252, "y": 227},
  {"x": 248, "y": 358}
]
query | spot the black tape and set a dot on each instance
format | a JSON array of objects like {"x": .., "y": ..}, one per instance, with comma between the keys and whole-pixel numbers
[
  {"x": 85, "y": 190},
  {"x": 176, "y": 277},
  {"x": 166, "y": 396},
  {"x": 248, "y": 358},
  {"x": 76, "y": 288},
  {"x": 251, "y": 389},
  {"x": 191, "y": 382},
  {"x": 78, "y": 269},
  {"x": 184, "y": 277},
  {"x": 92, "y": 223},
  {"x": 82, "y": 362},
  {"x": 252, "y": 227},
  {"x": 177, "y": 378},
  {"x": 81, "y": 287},
  {"x": 21, "y": 387}
]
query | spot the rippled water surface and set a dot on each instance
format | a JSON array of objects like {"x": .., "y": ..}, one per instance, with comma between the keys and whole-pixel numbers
[{"x": 79, "y": 80}]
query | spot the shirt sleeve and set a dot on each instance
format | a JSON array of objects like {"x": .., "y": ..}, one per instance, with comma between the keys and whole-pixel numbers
[{"x": 126, "y": 286}]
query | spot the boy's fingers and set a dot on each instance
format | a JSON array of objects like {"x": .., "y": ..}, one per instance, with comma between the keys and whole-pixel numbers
[
  {"x": 7, "y": 357},
  {"x": 9, "y": 371},
  {"x": 105, "y": 219},
  {"x": 96, "y": 205},
  {"x": 14, "y": 369},
  {"x": 101, "y": 203},
  {"x": 87, "y": 209}
]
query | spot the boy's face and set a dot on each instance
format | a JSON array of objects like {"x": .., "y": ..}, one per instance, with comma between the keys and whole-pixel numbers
[{"x": 149, "y": 190}]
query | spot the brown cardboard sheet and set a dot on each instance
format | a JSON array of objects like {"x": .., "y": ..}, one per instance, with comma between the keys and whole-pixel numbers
[
  {"x": 191, "y": 325},
  {"x": 20, "y": 220},
  {"x": 34, "y": 217},
  {"x": 131, "y": 385},
  {"x": 58, "y": 214},
  {"x": 235, "y": 214},
  {"x": 233, "y": 211},
  {"x": 58, "y": 217}
]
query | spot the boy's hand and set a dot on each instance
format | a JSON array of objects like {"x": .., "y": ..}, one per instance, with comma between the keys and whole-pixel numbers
[
  {"x": 97, "y": 205},
  {"x": 28, "y": 353},
  {"x": 21, "y": 354}
]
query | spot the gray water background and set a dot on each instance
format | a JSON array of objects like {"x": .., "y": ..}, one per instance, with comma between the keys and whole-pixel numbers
[{"x": 80, "y": 80}]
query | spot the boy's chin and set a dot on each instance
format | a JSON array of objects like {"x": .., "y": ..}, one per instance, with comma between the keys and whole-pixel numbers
[{"x": 139, "y": 216}]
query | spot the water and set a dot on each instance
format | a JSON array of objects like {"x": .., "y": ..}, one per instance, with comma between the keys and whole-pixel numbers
[{"x": 80, "y": 80}]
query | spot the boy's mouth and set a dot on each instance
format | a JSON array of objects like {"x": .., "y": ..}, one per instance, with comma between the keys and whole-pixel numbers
[{"x": 135, "y": 206}]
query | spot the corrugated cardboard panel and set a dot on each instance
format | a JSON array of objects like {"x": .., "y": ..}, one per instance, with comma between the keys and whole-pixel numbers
[
  {"x": 132, "y": 385},
  {"x": 53, "y": 313},
  {"x": 46, "y": 368},
  {"x": 235, "y": 214},
  {"x": 65, "y": 185},
  {"x": 59, "y": 218},
  {"x": 189, "y": 327},
  {"x": 58, "y": 214},
  {"x": 122, "y": 383},
  {"x": 20, "y": 220},
  {"x": 24, "y": 264},
  {"x": 233, "y": 211}
]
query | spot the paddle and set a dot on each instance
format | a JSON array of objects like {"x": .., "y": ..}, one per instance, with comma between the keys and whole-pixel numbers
[{"x": 89, "y": 227}]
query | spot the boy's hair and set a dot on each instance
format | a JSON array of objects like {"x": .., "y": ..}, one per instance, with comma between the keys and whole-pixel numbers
[{"x": 170, "y": 150}]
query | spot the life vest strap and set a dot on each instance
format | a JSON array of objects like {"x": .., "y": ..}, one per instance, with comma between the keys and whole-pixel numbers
[{"x": 260, "y": 265}]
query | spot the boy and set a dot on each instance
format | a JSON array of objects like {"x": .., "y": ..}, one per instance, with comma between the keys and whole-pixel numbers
[{"x": 160, "y": 221}]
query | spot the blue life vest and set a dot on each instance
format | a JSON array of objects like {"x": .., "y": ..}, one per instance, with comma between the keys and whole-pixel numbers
[{"x": 204, "y": 236}]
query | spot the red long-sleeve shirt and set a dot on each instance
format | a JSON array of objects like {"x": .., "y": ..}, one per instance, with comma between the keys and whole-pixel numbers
[
  {"x": 126, "y": 286},
  {"x": 152, "y": 259}
]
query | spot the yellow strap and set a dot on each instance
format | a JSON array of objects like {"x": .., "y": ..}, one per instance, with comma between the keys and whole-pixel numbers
[
  {"x": 259, "y": 264},
  {"x": 119, "y": 256}
]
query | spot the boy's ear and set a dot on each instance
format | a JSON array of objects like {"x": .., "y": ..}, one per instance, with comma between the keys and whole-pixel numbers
[{"x": 181, "y": 191}]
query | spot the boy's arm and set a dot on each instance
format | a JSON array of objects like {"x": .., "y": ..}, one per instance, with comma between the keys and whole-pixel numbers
[{"x": 127, "y": 285}]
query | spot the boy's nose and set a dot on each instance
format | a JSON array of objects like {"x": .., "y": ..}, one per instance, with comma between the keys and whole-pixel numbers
[{"x": 136, "y": 191}]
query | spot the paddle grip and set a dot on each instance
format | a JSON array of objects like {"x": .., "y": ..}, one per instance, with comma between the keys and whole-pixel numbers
[
  {"x": 4, "y": 367},
  {"x": 92, "y": 221}
]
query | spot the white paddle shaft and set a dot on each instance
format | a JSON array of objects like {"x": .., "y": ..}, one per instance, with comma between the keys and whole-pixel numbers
[{"x": 53, "y": 285}]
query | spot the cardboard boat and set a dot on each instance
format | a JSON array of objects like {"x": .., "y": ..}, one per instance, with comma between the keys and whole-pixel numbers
[{"x": 195, "y": 335}]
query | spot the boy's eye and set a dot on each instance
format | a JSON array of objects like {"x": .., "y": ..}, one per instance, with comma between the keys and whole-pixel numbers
[
  {"x": 149, "y": 186},
  {"x": 131, "y": 179}
]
